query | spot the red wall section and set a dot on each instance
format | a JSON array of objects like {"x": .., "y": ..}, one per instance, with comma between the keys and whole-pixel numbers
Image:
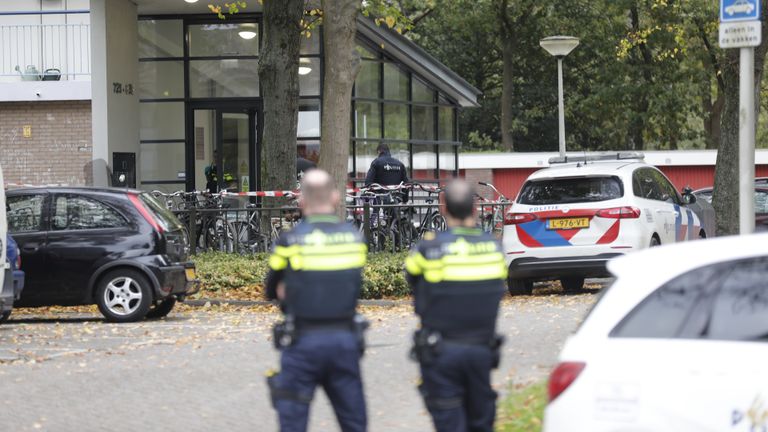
[{"x": 509, "y": 180}]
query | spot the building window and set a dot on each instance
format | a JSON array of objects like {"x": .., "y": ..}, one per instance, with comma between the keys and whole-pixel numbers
[
  {"x": 160, "y": 79},
  {"x": 421, "y": 92},
  {"x": 423, "y": 122},
  {"x": 309, "y": 76},
  {"x": 309, "y": 119},
  {"x": 223, "y": 40},
  {"x": 446, "y": 124},
  {"x": 161, "y": 121},
  {"x": 396, "y": 121},
  {"x": 161, "y": 38},
  {"x": 223, "y": 78},
  {"x": 395, "y": 83},
  {"x": 367, "y": 120},
  {"x": 368, "y": 80}
]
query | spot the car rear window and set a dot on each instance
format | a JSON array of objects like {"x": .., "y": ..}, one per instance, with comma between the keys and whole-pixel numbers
[
  {"x": 163, "y": 215},
  {"x": 571, "y": 190}
]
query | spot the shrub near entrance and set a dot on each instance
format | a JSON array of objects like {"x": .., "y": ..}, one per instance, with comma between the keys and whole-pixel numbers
[{"x": 241, "y": 277}]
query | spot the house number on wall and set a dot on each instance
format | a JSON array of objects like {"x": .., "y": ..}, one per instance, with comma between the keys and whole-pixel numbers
[{"x": 120, "y": 88}]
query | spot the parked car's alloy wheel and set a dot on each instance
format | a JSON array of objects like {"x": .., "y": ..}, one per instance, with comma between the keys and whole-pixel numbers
[
  {"x": 161, "y": 309},
  {"x": 519, "y": 287},
  {"x": 124, "y": 296}
]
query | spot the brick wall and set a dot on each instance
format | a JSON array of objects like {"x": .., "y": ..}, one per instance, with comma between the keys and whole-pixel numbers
[{"x": 59, "y": 149}]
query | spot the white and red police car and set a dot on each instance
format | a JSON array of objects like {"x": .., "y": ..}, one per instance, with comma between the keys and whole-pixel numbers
[
  {"x": 681, "y": 348},
  {"x": 569, "y": 219}
]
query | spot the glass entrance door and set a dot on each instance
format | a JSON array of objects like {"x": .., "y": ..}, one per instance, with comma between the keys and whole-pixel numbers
[{"x": 225, "y": 150}]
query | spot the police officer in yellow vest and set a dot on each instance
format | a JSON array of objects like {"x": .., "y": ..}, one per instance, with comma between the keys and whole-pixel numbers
[
  {"x": 316, "y": 272},
  {"x": 457, "y": 278}
]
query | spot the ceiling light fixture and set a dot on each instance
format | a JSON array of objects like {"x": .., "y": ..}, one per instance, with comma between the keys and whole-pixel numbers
[
  {"x": 247, "y": 31},
  {"x": 191, "y": 1},
  {"x": 305, "y": 66}
]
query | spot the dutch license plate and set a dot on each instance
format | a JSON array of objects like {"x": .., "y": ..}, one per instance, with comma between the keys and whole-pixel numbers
[
  {"x": 568, "y": 223},
  {"x": 190, "y": 272}
]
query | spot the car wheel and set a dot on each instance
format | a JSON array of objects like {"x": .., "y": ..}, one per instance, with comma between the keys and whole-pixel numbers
[
  {"x": 572, "y": 284},
  {"x": 124, "y": 296},
  {"x": 162, "y": 309},
  {"x": 655, "y": 241},
  {"x": 702, "y": 235},
  {"x": 518, "y": 287},
  {"x": 4, "y": 316}
]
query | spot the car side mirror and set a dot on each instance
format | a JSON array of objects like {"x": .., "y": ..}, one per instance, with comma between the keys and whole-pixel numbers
[{"x": 689, "y": 198}]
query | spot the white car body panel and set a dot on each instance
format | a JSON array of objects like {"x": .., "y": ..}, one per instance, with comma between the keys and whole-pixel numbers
[
  {"x": 533, "y": 240},
  {"x": 643, "y": 384}
]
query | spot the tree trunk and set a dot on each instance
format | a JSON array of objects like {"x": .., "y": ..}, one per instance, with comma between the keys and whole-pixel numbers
[
  {"x": 712, "y": 114},
  {"x": 341, "y": 65},
  {"x": 279, "y": 76},
  {"x": 507, "y": 93},
  {"x": 725, "y": 198}
]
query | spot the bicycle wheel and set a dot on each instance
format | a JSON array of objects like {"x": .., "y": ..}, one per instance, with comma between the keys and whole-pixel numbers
[
  {"x": 406, "y": 234},
  {"x": 436, "y": 222}
]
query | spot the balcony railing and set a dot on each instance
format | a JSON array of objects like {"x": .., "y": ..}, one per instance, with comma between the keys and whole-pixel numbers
[{"x": 45, "y": 52}]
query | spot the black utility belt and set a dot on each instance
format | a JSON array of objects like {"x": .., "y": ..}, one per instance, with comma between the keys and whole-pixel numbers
[
  {"x": 287, "y": 332},
  {"x": 427, "y": 345}
]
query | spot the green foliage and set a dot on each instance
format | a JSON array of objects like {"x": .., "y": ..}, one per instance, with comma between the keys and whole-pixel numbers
[
  {"x": 523, "y": 409},
  {"x": 219, "y": 272},
  {"x": 384, "y": 278},
  {"x": 241, "y": 277}
]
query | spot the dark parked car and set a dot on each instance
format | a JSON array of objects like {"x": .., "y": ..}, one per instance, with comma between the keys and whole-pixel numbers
[
  {"x": 761, "y": 202},
  {"x": 116, "y": 248},
  {"x": 13, "y": 282}
]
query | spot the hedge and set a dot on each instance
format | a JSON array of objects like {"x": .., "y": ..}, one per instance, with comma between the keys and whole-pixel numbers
[{"x": 232, "y": 276}]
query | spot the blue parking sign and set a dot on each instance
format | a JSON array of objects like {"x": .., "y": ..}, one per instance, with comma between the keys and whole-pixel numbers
[{"x": 739, "y": 10}]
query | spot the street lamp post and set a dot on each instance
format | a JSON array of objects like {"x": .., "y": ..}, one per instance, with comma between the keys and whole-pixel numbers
[{"x": 559, "y": 47}]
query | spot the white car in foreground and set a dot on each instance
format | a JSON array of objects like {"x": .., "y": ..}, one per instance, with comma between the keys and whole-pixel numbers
[
  {"x": 678, "y": 343},
  {"x": 569, "y": 219}
]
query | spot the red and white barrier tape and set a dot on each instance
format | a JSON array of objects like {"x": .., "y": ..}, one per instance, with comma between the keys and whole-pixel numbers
[{"x": 262, "y": 193}]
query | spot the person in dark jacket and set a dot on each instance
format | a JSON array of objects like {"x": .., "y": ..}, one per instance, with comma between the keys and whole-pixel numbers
[{"x": 387, "y": 171}]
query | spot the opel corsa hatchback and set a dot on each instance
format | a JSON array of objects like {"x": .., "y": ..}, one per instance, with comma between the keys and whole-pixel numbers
[
  {"x": 570, "y": 219},
  {"x": 682, "y": 348},
  {"x": 117, "y": 248}
]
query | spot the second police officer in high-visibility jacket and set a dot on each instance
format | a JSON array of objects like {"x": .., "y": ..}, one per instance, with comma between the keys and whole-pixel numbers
[
  {"x": 316, "y": 272},
  {"x": 457, "y": 278}
]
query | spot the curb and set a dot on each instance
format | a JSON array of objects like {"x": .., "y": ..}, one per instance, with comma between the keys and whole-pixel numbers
[{"x": 218, "y": 302}]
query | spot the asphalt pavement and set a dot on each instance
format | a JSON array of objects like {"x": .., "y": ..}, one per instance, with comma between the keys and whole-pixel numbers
[{"x": 203, "y": 368}]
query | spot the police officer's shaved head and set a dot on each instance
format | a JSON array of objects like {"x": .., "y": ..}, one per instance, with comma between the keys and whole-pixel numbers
[
  {"x": 318, "y": 194},
  {"x": 382, "y": 148},
  {"x": 459, "y": 200}
]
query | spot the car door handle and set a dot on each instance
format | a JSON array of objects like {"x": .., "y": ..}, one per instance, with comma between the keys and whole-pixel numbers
[{"x": 30, "y": 249}]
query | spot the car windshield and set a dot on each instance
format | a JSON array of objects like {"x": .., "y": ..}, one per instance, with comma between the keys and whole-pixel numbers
[
  {"x": 571, "y": 190},
  {"x": 163, "y": 215}
]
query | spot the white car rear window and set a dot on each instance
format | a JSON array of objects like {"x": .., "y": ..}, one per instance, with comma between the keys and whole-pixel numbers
[{"x": 571, "y": 190}]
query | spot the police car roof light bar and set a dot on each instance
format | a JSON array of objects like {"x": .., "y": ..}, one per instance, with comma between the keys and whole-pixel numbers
[{"x": 618, "y": 156}]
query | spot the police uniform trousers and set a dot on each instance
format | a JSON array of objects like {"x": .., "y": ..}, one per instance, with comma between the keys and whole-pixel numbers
[
  {"x": 326, "y": 358},
  {"x": 456, "y": 387}
]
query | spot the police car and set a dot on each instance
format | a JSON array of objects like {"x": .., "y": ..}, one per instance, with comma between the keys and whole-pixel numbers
[
  {"x": 569, "y": 219},
  {"x": 680, "y": 348}
]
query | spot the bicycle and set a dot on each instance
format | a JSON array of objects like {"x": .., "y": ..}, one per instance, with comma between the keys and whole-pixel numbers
[
  {"x": 492, "y": 221},
  {"x": 432, "y": 221}
]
